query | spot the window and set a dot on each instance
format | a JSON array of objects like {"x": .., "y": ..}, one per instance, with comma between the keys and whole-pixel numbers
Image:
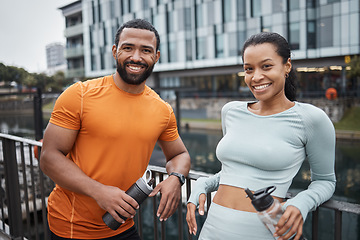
[
  {"x": 163, "y": 53},
  {"x": 255, "y": 8},
  {"x": 102, "y": 60},
  {"x": 145, "y": 4},
  {"x": 294, "y": 38},
  {"x": 294, "y": 4},
  {"x": 170, "y": 22},
  {"x": 112, "y": 9},
  {"x": 131, "y": 6},
  {"x": 201, "y": 48},
  {"x": 210, "y": 13},
  {"x": 227, "y": 10},
  {"x": 240, "y": 9},
  {"x": 277, "y": 6},
  {"x": 310, "y": 3},
  {"x": 125, "y": 8},
  {"x": 325, "y": 30},
  {"x": 219, "y": 43},
  {"x": 240, "y": 41},
  {"x": 199, "y": 16},
  {"x": 104, "y": 34},
  {"x": 172, "y": 52},
  {"x": 311, "y": 34},
  {"x": 188, "y": 50},
  {"x": 93, "y": 62},
  {"x": 100, "y": 15},
  {"x": 232, "y": 45},
  {"x": 187, "y": 19}
]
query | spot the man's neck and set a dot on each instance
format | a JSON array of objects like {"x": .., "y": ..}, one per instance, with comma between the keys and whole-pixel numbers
[{"x": 129, "y": 88}]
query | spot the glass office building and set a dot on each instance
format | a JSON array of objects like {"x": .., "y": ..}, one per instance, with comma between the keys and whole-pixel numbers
[{"x": 201, "y": 40}]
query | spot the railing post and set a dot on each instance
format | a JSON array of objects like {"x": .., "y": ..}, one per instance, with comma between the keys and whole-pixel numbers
[
  {"x": 38, "y": 115},
  {"x": 180, "y": 218},
  {"x": 338, "y": 224},
  {"x": 315, "y": 224},
  {"x": 12, "y": 189},
  {"x": 178, "y": 117}
]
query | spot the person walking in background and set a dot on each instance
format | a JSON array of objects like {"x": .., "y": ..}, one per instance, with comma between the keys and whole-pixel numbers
[
  {"x": 264, "y": 144},
  {"x": 99, "y": 141}
]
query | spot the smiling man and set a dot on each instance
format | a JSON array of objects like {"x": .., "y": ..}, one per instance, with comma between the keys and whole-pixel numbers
[{"x": 99, "y": 141}]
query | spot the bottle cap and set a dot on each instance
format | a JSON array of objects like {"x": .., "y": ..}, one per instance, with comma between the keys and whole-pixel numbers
[
  {"x": 145, "y": 182},
  {"x": 261, "y": 199}
]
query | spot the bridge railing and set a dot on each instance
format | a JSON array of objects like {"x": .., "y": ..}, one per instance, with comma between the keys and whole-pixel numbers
[{"x": 24, "y": 190}]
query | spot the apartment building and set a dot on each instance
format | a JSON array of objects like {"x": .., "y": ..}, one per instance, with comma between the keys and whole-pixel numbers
[
  {"x": 55, "y": 58},
  {"x": 201, "y": 40},
  {"x": 74, "y": 51}
]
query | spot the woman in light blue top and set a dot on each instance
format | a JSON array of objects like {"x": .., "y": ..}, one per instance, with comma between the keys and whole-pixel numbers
[{"x": 264, "y": 144}]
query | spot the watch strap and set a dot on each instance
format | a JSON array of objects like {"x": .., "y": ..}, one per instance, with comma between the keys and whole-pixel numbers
[{"x": 180, "y": 176}]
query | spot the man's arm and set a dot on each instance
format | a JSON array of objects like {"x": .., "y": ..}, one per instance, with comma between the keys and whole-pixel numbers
[
  {"x": 178, "y": 160},
  {"x": 57, "y": 143}
]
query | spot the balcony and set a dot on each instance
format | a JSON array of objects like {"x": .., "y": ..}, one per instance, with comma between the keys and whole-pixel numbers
[
  {"x": 26, "y": 188},
  {"x": 75, "y": 73},
  {"x": 74, "y": 52},
  {"x": 73, "y": 30}
]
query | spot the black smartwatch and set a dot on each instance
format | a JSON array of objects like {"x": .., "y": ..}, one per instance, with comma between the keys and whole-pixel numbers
[{"x": 180, "y": 176}]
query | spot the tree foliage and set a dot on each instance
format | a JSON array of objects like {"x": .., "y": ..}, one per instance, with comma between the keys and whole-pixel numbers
[
  {"x": 25, "y": 80},
  {"x": 354, "y": 64}
]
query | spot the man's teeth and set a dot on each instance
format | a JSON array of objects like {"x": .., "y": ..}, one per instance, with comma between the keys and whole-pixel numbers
[
  {"x": 261, "y": 86},
  {"x": 134, "y": 68}
]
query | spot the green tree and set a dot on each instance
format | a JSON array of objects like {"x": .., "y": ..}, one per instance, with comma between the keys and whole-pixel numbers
[
  {"x": 354, "y": 73},
  {"x": 354, "y": 64},
  {"x": 58, "y": 82},
  {"x": 9, "y": 74},
  {"x": 29, "y": 81}
]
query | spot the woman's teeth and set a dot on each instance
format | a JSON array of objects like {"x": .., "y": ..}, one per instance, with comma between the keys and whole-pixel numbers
[{"x": 261, "y": 86}]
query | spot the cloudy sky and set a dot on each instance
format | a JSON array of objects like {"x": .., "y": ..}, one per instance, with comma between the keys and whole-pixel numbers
[{"x": 26, "y": 27}]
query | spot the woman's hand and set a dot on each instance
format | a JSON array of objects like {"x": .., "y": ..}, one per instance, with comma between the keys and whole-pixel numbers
[
  {"x": 291, "y": 221},
  {"x": 190, "y": 215}
]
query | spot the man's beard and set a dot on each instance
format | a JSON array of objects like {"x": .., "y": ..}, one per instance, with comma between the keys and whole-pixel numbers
[{"x": 133, "y": 79}]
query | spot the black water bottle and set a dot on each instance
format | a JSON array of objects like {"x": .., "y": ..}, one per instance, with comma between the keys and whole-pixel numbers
[
  {"x": 139, "y": 191},
  {"x": 268, "y": 209}
]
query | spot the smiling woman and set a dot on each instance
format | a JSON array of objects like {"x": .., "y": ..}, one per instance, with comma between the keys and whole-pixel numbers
[{"x": 265, "y": 143}]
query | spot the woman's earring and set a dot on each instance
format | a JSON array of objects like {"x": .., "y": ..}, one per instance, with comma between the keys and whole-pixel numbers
[{"x": 286, "y": 75}]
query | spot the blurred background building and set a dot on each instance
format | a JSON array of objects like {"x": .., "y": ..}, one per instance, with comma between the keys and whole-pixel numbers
[
  {"x": 74, "y": 52},
  {"x": 201, "y": 41},
  {"x": 55, "y": 58}
]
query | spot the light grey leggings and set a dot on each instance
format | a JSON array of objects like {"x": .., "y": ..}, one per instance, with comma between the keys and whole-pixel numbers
[{"x": 230, "y": 224}]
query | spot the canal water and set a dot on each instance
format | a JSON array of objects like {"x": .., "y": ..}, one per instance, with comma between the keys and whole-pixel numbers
[{"x": 201, "y": 145}]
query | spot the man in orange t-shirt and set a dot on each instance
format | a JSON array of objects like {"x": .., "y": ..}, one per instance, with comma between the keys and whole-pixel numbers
[{"x": 100, "y": 139}]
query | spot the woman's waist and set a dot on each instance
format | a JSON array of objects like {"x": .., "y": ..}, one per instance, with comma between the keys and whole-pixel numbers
[{"x": 235, "y": 198}]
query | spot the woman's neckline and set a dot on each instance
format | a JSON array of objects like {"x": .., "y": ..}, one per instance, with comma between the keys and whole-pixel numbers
[{"x": 251, "y": 111}]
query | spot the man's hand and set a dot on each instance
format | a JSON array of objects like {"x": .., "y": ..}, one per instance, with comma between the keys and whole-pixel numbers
[
  {"x": 115, "y": 200},
  {"x": 190, "y": 214},
  {"x": 170, "y": 196}
]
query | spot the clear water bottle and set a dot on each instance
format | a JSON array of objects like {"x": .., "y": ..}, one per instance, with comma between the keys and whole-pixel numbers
[
  {"x": 269, "y": 209},
  {"x": 139, "y": 191}
]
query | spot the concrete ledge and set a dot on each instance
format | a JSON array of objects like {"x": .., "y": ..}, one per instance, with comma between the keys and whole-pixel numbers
[
  {"x": 348, "y": 135},
  {"x": 201, "y": 125},
  {"x": 186, "y": 124}
]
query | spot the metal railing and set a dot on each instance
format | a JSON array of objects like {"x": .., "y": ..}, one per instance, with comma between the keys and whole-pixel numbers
[{"x": 24, "y": 190}]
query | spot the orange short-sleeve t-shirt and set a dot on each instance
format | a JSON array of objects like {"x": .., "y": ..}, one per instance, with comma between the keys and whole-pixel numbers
[{"x": 117, "y": 132}]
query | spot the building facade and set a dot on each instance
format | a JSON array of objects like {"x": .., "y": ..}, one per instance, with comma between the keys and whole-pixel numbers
[
  {"x": 55, "y": 58},
  {"x": 74, "y": 52},
  {"x": 201, "y": 40}
]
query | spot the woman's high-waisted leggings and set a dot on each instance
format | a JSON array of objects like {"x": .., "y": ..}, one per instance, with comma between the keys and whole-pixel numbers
[{"x": 230, "y": 224}]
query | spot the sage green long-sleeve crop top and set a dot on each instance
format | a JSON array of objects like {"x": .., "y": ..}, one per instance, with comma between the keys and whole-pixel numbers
[{"x": 260, "y": 151}]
